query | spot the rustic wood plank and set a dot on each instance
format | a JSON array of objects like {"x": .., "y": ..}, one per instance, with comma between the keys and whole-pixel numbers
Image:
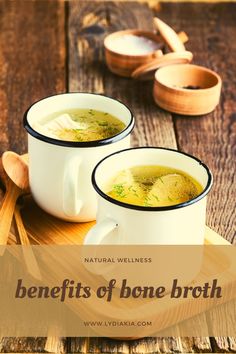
[
  {"x": 97, "y": 345},
  {"x": 52, "y": 344},
  {"x": 226, "y": 311},
  {"x": 100, "y": 345},
  {"x": 107, "y": 346},
  {"x": 78, "y": 345},
  {"x": 153, "y": 125},
  {"x": 212, "y": 137},
  {"x": 32, "y": 58},
  {"x": 55, "y": 344},
  {"x": 157, "y": 345},
  {"x": 88, "y": 25},
  {"x": 197, "y": 344},
  {"x": 22, "y": 345}
]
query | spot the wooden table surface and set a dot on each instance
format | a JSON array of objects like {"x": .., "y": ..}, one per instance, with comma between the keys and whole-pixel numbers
[{"x": 47, "y": 47}]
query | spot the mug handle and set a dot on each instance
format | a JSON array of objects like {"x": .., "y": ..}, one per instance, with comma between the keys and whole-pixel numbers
[
  {"x": 71, "y": 202},
  {"x": 98, "y": 232}
]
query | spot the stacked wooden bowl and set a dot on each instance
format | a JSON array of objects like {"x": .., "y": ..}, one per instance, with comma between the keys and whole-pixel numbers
[{"x": 179, "y": 86}]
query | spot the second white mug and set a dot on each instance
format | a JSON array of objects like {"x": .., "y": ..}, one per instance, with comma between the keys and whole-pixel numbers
[{"x": 122, "y": 223}]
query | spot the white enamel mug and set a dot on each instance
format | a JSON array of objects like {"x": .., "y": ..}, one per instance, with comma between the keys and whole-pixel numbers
[
  {"x": 122, "y": 223},
  {"x": 60, "y": 171}
]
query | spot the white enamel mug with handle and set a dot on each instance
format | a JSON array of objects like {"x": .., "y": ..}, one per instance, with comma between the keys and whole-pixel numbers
[
  {"x": 122, "y": 223},
  {"x": 60, "y": 171}
]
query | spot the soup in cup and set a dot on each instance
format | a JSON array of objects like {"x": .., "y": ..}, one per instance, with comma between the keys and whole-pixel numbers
[
  {"x": 150, "y": 195},
  {"x": 68, "y": 134}
]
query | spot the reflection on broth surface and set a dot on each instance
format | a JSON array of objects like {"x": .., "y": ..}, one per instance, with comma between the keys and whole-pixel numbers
[
  {"x": 153, "y": 186},
  {"x": 80, "y": 125}
]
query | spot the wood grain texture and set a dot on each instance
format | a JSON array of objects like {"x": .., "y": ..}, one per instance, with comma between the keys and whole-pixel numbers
[
  {"x": 50, "y": 344},
  {"x": 32, "y": 62},
  {"x": 32, "y": 66},
  {"x": 87, "y": 72},
  {"x": 88, "y": 25},
  {"x": 212, "y": 137},
  {"x": 222, "y": 344},
  {"x": 51, "y": 230},
  {"x": 33, "y": 45}
]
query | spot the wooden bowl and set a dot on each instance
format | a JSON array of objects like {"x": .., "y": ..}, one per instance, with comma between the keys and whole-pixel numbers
[
  {"x": 187, "y": 89},
  {"x": 124, "y": 64}
]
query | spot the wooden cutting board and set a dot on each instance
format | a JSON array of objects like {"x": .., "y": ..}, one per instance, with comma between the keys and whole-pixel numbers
[{"x": 43, "y": 228}]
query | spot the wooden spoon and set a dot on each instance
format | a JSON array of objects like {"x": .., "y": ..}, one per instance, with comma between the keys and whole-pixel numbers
[
  {"x": 15, "y": 175},
  {"x": 8, "y": 206},
  {"x": 16, "y": 167},
  {"x": 16, "y": 185}
]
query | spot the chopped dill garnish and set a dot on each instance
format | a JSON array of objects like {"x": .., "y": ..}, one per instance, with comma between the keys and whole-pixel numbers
[
  {"x": 154, "y": 196},
  {"x": 102, "y": 123},
  {"x": 135, "y": 192},
  {"x": 147, "y": 204},
  {"x": 119, "y": 190}
]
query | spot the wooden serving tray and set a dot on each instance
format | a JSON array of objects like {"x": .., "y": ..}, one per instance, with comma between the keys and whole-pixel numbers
[{"x": 43, "y": 228}]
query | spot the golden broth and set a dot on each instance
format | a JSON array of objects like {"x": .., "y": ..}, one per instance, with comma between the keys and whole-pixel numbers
[
  {"x": 92, "y": 125},
  {"x": 153, "y": 186}
]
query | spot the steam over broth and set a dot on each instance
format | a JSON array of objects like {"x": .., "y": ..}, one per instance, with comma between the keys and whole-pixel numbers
[
  {"x": 80, "y": 125},
  {"x": 153, "y": 186}
]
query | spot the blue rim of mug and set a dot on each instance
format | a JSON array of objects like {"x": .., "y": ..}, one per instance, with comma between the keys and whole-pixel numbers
[
  {"x": 148, "y": 208},
  {"x": 94, "y": 143}
]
